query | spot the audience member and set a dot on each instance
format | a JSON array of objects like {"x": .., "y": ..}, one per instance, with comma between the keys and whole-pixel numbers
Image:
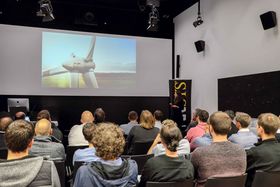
[
  {"x": 221, "y": 158},
  {"x": 199, "y": 130},
  {"x": 87, "y": 154},
  {"x": 20, "y": 169},
  {"x": 265, "y": 156},
  {"x": 233, "y": 129},
  {"x": 132, "y": 117},
  {"x": 169, "y": 167},
  {"x": 5, "y": 121},
  {"x": 99, "y": 116},
  {"x": 56, "y": 133},
  {"x": 244, "y": 137},
  {"x": 75, "y": 136},
  {"x": 157, "y": 147},
  {"x": 43, "y": 145},
  {"x": 158, "y": 115},
  {"x": 20, "y": 115},
  {"x": 194, "y": 121},
  {"x": 146, "y": 132},
  {"x": 202, "y": 141},
  {"x": 110, "y": 170}
]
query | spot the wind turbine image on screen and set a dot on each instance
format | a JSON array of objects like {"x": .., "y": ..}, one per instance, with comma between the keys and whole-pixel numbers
[{"x": 76, "y": 66}]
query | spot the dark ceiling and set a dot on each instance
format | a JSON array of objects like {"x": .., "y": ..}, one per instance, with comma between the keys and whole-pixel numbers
[{"x": 128, "y": 17}]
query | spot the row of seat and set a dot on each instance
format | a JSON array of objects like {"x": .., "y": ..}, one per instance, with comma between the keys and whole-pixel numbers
[{"x": 262, "y": 179}]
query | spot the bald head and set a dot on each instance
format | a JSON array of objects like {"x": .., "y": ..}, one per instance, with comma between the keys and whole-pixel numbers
[
  {"x": 87, "y": 117},
  {"x": 43, "y": 128},
  {"x": 5, "y": 122}
]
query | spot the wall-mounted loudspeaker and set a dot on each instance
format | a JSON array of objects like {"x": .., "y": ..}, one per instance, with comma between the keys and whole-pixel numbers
[
  {"x": 199, "y": 45},
  {"x": 268, "y": 20},
  {"x": 178, "y": 66}
]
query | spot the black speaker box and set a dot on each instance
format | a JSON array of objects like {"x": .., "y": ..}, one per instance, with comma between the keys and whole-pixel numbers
[
  {"x": 199, "y": 45},
  {"x": 268, "y": 20}
]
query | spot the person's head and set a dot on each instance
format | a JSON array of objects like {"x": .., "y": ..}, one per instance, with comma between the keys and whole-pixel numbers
[
  {"x": 108, "y": 141},
  {"x": 168, "y": 121},
  {"x": 220, "y": 123},
  {"x": 170, "y": 135},
  {"x": 88, "y": 130},
  {"x": 43, "y": 128},
  {"x": 194, "y": 115},
  {"x": 87, "y": 117},
  {"x": 268, "y": 124},
  {"x": 158, "y": 115},
  {"x": 203, "y": 116},
  {"x": 5, "y": 122},
  {"x": 132, "y": 116},
  {"x": 19, "y": 136},
  {"x": 147, "y": 119},
  {"x": 99, "y": 115},
  {"x": 242, "y": 119},
  {"x": 44, "y": 114},
  {"x": 20, "y": 115},
  {"x": 230, "y": 113}
]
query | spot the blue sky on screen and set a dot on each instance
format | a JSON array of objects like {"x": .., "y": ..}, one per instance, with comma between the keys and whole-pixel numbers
[{"x": 110, "y": 54}]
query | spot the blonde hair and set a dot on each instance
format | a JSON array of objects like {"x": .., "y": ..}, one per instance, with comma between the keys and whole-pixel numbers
[
  {"x": 108, "y": 141},
  {"x": 147, "y": 119},
  {"x": 87, "y": 117}
]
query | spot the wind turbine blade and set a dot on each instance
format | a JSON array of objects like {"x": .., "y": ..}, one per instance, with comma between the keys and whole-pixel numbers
[
  {"x": 90, "y": 79},
  {"x": 74, "y": 81},
  {"x": 54, "y": 71},
  {"x": 91, "y": 49}
]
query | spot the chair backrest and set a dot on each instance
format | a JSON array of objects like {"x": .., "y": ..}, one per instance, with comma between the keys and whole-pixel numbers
[
  {"x": 140, "y": 160},
  {"x": 77, "y": 165},
  {"x": 186, "y": 183},
  {"x": 266, "y": 179},
  {"x": 3, "y": 153},
  {"x": 142, "y": 147},
  {"x": 70, "y": 150},
  {"x": 60, "y": 167},
  {"x": 234, "y": 181}
]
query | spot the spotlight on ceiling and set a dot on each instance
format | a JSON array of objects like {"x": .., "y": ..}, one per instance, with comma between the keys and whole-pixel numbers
[
  {"x": 46, "y": 10},
  {"x": 153, "y": 15},
  {"x": 198, "y": 20}
]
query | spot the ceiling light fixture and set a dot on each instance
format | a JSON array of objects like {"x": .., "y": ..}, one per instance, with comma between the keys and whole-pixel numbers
[
  {"x": 198, "y": 20},
  {"x": 46, "y": 10}
]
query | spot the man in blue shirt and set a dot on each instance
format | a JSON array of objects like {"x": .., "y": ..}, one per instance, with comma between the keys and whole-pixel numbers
[
  {"x": 87, "y": 154},
  {"x": 244, "y": 137}
]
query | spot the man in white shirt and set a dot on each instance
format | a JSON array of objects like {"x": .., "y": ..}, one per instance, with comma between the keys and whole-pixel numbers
[{"x": 76, "y": 137}]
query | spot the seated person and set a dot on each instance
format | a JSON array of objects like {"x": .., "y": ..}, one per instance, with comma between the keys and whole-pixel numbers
[
  {"x": 110, "y": 170},
  {"x": 158, "y": 114},
  {"x": 244, "y": 137},
  {"x": 99, "y": 116},
  {"x": 5, "y": 121},
  {"x": 20, "y": 169},
  {"x": 21, "y": 115},
  {"x": 87, "y": 154},
  {"x": 233, "y": 129},
  {"x": 132, "y": 117},
  {"x": 199, "y": 129},
  {"x": 43, "y": 145},
  {"x": 265, "y": 156},
  {"x": 221, "y": 158},
  {"x": 169, "y": 167},
  {"x": 56, "y": 133},
  {"x": 202, "y": 141},
  {"x": 75, "y": 136},
  {"x": 146, "y": 132},
  {"x": 157, "y": 147}
]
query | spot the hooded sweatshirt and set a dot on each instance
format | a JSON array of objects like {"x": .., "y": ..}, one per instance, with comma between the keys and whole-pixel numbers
[
  {"x": 28, "y": 171},
  {"x": 99, "y": 174}
]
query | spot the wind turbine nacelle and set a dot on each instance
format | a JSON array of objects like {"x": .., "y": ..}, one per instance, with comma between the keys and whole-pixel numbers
[{"x": 79, "y": 67}]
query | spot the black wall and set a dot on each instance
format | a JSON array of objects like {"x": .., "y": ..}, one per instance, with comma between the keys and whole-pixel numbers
[
  {"x": 254, "y": 94},
  {"x": 67, "y": 109}
]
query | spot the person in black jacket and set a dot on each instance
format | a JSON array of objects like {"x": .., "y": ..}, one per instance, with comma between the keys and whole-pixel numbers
[
  {"x": 169, "y": 167},
  {"x": 266, "y": 155}
]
